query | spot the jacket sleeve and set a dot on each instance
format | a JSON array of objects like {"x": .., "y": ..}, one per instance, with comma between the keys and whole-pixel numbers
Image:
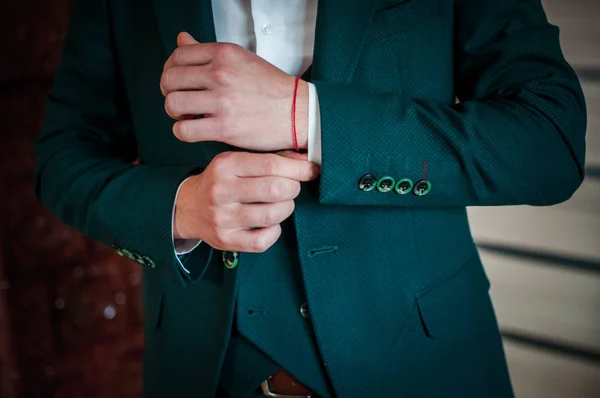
[
  {"x": 85, "y": 172},
  {"x": 516, "y": 135}
]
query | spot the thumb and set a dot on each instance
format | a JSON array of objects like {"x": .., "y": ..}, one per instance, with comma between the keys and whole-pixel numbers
[
  {"x": 185, "y": 39},
  {"x": 288, "y": 153}
]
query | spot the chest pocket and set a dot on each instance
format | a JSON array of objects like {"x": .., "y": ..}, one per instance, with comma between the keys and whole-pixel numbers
[{"x": 395, "y": 16}]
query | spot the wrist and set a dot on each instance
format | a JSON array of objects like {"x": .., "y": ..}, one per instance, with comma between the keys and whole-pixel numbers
[
  {"x": 183, "y": 206},
  {"x": 302, "y": 115}
]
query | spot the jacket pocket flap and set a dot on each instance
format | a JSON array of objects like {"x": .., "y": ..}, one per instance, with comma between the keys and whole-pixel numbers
[{"x": 455, "y": 301}]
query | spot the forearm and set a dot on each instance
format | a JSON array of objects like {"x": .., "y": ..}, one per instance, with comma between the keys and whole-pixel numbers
[
  {"x": 85, "y": 172},
  {"x": 498, "y": 151},
  {"x": 109, "y": 200},
  {"x": 516, "y": 137}
]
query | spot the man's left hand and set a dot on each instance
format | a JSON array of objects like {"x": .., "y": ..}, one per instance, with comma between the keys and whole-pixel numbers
[{"x": 245, "y": 100}]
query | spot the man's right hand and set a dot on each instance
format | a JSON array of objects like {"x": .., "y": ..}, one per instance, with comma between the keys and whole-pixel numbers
[{"x": 239, "y": 191}]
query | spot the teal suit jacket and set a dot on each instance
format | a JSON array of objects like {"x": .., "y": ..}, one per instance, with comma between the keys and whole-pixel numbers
[{"x": 476, "y": 90}]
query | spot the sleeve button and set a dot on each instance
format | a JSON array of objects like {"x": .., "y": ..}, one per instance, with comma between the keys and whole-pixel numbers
[
  {"x": 422, "y": 187},
  {"x": 404, "y": 186},
  {"x": 367, "y": 182},
  {"x": 385, "y": 184}
]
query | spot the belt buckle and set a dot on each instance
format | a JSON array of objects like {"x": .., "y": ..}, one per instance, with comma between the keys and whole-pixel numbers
[{"x": 266, "y": 389}]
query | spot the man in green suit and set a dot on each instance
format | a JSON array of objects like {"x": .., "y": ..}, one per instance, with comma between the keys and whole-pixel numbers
[{"x": 262, "y": 276}]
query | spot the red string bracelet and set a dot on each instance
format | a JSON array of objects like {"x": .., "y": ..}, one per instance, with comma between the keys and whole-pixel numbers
[{"x": 295, "y": 136}]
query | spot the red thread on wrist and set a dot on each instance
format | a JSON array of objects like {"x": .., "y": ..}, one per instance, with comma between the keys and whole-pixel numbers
[{"x": 295, "y": 136}]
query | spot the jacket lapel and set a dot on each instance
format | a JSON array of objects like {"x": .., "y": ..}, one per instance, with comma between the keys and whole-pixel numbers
[
  {"x": 342, "y": 26},
  {"x": 192, "y": 16}
]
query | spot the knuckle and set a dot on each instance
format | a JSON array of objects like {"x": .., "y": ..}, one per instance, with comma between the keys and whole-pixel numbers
[
  {"x": 213, "y": 197},
  {"x": 167, "y": 78},
  {"x": 222, "y": 155},
  {"x": 226, "y": 50},
  {"x": 222, "y": 75},
  {"x": 271, "y": 216},
  {"x": 294, "y": 188},
  {"x": 218, "y": 219},
  {"x": 164, "y": 79},
  {"x": 274, "y": 190},
  {"x": 260, "y": 244},
  {"x": 291, "y": 207},
  {"x": 223, "y": 125},
  {"x": 229, "y": 128},
  {"x": 221, "y": 161},
  {"x": 178, "y": 55},
  {"x": 221, "y": 238},
  {"x": 171, "y": 104},
  {"x": 181, "y": 130},
  {"x": 224, "y": 101},
  {"x": 271, "y": 165}
]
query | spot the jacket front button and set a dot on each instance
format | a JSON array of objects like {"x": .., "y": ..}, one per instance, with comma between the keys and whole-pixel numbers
[
  {"x": 231, "y": 259},
  {"x": 404, "y": 186},
  {"x": 367, "y": 182},
  {"x": 422, "y": 188},
  {"x": 385, "y": 184},
  {"x": 304, "y": 310}
]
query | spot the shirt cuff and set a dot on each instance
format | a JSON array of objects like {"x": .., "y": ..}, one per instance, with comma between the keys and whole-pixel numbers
[
  {"x": 314, "y": 126},
  {"x": 182, "y": 246}
]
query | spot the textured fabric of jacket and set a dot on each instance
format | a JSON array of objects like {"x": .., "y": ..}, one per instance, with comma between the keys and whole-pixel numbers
[{"x": 472, "y": 95}]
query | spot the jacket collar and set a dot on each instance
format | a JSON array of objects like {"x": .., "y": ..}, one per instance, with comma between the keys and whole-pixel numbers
[{"x": 340, "y": 32}]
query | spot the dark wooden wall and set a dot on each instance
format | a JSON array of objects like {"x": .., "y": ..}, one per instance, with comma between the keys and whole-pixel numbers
[{"x": 70, "y": 310}]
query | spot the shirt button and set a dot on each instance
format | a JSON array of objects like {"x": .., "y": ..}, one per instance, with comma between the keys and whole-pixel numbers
[{"x": 267, "y": 29}]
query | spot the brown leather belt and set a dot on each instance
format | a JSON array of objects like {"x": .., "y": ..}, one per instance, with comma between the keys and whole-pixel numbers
[{"x": 283, "y": 385}]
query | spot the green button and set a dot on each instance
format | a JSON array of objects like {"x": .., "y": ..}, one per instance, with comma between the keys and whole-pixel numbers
[
  {"x": 231, "y": 259},
  {"x": 404, "y": 186},
  {"x": 385, "y": 184},
  {"x": 148, "y": 261},
  {"x": 304, "y": 310},
  {"x": 422, "y": 187},
  {"x": 367, "y": 182}
]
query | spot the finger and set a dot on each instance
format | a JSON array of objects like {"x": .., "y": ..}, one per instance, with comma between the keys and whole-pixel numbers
[
  {"x": 185, "y": 39},
  {"x": 270, "y": 164},
  {"x": 198, "y": 130},
  {"x": 288, "y": 153},
  {"x": 253, "y": 240},
  {"x": 264, "y": 189},
  {"x": 263, "y": 214},
  {"x": 187, "y": 103},
  {"x": 192, "y": 54},
  {"x": 181, "y": 78}
]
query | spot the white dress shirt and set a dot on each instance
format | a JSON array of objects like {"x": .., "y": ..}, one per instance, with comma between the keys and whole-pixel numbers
[{"x": 281, "y": 32}]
